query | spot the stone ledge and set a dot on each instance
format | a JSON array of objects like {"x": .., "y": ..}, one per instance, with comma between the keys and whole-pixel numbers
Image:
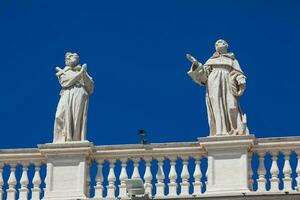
[{"x": 249, "y": 196}]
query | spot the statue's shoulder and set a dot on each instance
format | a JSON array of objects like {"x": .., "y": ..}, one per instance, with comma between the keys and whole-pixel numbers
[
  {"x": 221, "y": 59},
  {"x": 230, "y": 55}
]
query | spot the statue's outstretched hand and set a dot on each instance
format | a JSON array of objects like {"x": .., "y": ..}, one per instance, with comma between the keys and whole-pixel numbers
[
  {"x": 84, "y": 67},
  {"x": 194, "y": 61},
  {"x": 191, "y": 58},
  {"x": 57, "y": 69}
]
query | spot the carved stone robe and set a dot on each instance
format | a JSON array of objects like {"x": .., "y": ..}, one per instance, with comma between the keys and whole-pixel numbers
[
  {"x": 220, "y": 75},
  {"x": 71, "y": 115}
]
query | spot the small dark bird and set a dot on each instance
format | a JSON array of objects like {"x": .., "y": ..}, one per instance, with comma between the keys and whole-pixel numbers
[{"x": 142, "y": 133}]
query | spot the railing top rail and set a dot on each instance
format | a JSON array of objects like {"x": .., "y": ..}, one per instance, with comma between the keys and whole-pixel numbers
[
  {"x": 278, "y": 144},
  {"x": 149, "y": 150},
  {"x": 21, "y": 155},
  {"x": 142, "y": 146},
  {"x": 153, "y": 150}
]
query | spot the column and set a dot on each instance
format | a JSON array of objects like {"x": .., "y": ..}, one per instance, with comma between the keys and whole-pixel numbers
[
  {"x": 298, "y": 171},
  {"x": 185, "y": 176},
  {"x": 99, "y": 180},
  {"x": 12, "y": 181},
  {"x": 111, "y": 188},
  {"x": 148, "y": 177},
  {"x": 23, "y": 191},
  {"x": 197, "y": 176},
  {"x": 287, "y": 171},
  {"x": 261, "y": 181},
  {"x": 136, "y": 173},
  {"x": 36, "y": 181},
  {"x": 274, "y": 181},
  {"x": 123, "y": 177},
  {"x": 160, "y": 177},
  {"x": 173, "y": 177}
]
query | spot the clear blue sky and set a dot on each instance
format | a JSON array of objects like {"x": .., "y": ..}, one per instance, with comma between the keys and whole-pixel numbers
[{"x": 135, "y": 51}]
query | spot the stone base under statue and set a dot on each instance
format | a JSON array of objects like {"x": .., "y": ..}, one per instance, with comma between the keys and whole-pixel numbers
[
  {"x": 227, "y": 163},
  {"x": 67, "y": 170}
]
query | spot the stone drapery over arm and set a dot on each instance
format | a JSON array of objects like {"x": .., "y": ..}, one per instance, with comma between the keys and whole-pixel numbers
[
  {"x": 237, "y": 79},
  {"x": 68, "y": 80},
  {"x": 199, "y": 73},
  {"x": 88, "y": 83}
]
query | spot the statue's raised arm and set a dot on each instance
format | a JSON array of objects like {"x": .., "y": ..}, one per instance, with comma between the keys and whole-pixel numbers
[
  {"x": 87, "y": 80},
  {"x": 197, "y": 71}
]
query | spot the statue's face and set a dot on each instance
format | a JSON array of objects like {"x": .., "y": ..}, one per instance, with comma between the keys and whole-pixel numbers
[
  {"x": 221, "y": 46},
  {"x": 71, "y": 59}
]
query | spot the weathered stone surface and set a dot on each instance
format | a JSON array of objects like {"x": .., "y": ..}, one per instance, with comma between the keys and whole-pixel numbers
[
  {"x": 67, "y": 170},
  {"x": 71, "y": 115},
  {"x": 225, "y": 82}
]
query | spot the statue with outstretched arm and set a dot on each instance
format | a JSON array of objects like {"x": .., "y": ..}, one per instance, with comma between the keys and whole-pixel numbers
[{"x": 225, "y": 83}]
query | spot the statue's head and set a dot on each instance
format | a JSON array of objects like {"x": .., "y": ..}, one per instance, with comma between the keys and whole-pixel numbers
[
  {"x": 221, "y": 46},
  {"x": 71, "y": 59}
]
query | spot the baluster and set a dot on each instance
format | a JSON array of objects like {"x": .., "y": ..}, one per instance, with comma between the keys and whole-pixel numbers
[
  {"x": 99, "y": 180},
  {"x": 197, "y": 176},
  {"x": 172, "y": 176},
  {"x": 36, "y": 181},
  {"x": 185, "y": 176},
  {"x": 123, "y": 177},
  {"x": 136, "y": 173},
  {"x": 287, "y": 171},
  {"x": 298, "y": 172},
  {"x": 274, "y": 181},
  {"x": 250, "y": 171},
  {"x": 1, "y": 181},
  {"x": 45, "y": 183},
  {"x": 111, "y": 188},
  {"x": 148, "y": 177},
  {"x": 261, "y": 181},
  {"x": 23, "y": 191},
  {"x": 12, "y": 181},
  {"x": 160, "y": 177}
]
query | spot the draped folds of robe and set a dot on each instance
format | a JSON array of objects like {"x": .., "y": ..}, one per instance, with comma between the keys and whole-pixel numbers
[
  {"x": 221, "y": 75},
  {"x": 71, "y": 114}
]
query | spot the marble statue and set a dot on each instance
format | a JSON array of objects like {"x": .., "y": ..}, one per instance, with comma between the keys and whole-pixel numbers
[
  {"x": 225, "y": 82},
  {"x": 71, "y": 114}
]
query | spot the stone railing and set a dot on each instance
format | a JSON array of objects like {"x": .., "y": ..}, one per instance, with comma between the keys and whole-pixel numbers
[
  {"x": 212, "y": 166},
  {"x": 21, "y": 162},
  {"x": 161, "y": 163},
  {"x": 281, "y": 174}
]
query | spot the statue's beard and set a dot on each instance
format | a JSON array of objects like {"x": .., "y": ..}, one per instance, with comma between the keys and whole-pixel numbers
[
  {"x": 222, "y": 50},
  {"x": 71, "y": 63}
]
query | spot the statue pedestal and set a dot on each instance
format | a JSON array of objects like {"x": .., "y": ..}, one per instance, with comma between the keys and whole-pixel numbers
[
  {"x": 227, "y": 163},
  {"x": 67, "y": 170}
]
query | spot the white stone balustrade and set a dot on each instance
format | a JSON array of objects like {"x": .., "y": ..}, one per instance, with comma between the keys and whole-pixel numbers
[
  {"x": 154, "y": 172},
  {"x": 275, "y": 147},
  {"x": 168, "y": 170},
  {"x": 20, "y": 161}
]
